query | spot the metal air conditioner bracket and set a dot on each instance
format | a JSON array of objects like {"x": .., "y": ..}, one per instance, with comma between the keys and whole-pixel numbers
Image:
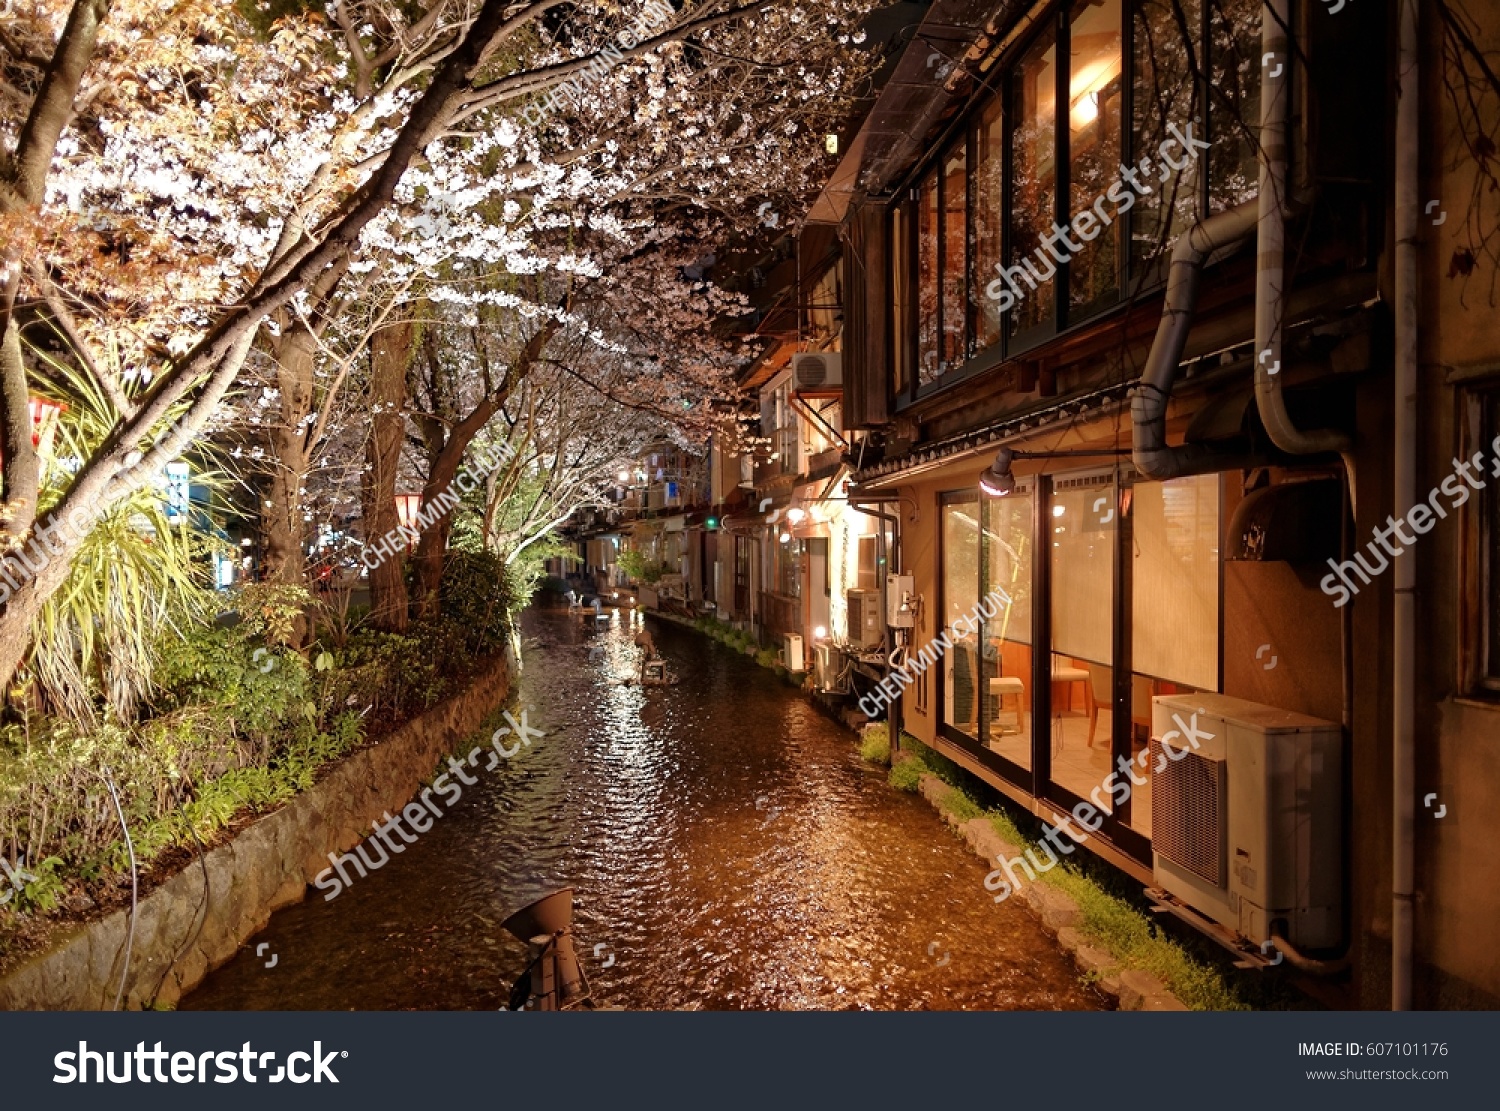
[{"x": 1247, "y": 954}]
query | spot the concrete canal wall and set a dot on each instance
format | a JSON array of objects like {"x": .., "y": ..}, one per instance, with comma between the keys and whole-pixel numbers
[{"x": 268, "y": 865}]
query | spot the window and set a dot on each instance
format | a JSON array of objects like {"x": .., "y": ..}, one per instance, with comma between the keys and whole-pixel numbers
[
  {"x": 1033, "y": 206},
  {"x": 955, "y": 256},
  {"x": 988, "y": 204},
  {"x": 1163, "y": 92},
  {"x": 1082, "y": 526},
  {"x": 1174, "y": 583},
  {"x": 1050, "y": 221},
  {"x": 928, "y": 353},
  {"x": 1488, "y": 563},
  {"x": 788, "y": 562},
  {"x": 1095, "y": 99},
  {"x": 900, "y": 304},
  {"x": 869, "y": 564}
]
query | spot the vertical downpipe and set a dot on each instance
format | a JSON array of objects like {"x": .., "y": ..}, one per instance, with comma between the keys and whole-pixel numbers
[{"x": 1403, "y": 711}]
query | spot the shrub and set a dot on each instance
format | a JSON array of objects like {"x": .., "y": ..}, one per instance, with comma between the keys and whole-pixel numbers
[{"x": 475, "y": 595}]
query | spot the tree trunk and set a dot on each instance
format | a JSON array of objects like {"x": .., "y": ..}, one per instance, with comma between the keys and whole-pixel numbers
[
  {"x": 390, "y": 351},
  {"x": 286, "y": 533}
]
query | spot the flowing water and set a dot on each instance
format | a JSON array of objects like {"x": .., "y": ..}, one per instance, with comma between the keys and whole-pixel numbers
[{"x": 727, "y": 847}]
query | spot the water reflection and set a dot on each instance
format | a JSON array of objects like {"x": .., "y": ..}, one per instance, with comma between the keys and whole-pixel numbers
[{"x": 728, "y": 850}]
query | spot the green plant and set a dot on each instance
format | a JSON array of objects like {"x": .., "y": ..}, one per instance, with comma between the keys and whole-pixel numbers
[
  {"x": 874, "y": 746},
  {"x": 135, "y": 574},
  {"x": 477, "y": 595},
  {"x": 639, "y": 568}
]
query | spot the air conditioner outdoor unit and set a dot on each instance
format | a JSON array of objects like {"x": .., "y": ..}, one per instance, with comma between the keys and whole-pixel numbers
[
  {"x": 866, "y": 628},
  {"x": 817, "y": 370},
  {"x": 791, "y": 653},
  {"x": 1246, "y": 828}
]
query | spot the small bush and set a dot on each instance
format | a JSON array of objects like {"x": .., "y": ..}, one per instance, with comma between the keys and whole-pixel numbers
[{"x": 475, "y": 595}]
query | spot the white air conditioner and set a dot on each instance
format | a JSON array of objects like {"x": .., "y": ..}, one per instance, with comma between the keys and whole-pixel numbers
[
  {"x": 817, "y": 370},
  {"x": 791, "y": 653},
  {"x": 866, "y": 629},
  {"x": 1246, "y": 828}
]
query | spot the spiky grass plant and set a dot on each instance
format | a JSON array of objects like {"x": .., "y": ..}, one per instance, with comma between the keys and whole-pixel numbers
[{"x": 136, "y": 578}]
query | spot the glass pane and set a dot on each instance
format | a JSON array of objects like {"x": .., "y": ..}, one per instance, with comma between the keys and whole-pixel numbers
[
  {"x": 927, "y": 282},
  {"x": 900, "y": 302},
  {"x": 1234, "y": 102},
  {"x": 1007, "y": 633},
  {"x": 1175, "y": 607},
  {"x": 1491, "y": 542},
  {"x": 1095, "y": 103},
  {"x": 962, "y": 665},
  {"x": 1034, "y": 186},
  {"x": 1083, "y": 529},
  {"x": 987, "y": 206},
  {"x": 955, "y": 261},
  {"x": 1164, "y": 98}
]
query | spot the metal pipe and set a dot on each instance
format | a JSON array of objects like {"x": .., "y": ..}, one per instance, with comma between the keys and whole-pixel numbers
[
  {"x": 1148, "y": 402},
  {"x": 1270, "y": 269},
  {"x": 1403, "y": 668}
]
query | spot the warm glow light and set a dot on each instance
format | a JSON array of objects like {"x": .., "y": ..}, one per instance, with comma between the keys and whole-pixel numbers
[
  {"x": 785, "y": 537},
  {"x": 795, "y": 515},
  {"x": 820, "y": 632},
  {"x": 624, "y": 476},
  {"x": 831, "y": 144},
  {"x": 1058, "y": 510},
  {"x": 1088, "y": 85}
]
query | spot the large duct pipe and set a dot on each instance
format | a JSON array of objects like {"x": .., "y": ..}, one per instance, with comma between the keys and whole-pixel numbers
[
  {"x": 1403, "y": 667},
  {"x": 1148, "y": 404},
  {"x": 1270, "y": 268}
]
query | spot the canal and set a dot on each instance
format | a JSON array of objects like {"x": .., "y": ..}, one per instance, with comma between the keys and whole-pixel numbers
[{"x": 727, "y": 846}]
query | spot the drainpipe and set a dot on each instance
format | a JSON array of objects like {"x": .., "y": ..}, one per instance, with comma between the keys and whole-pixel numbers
[{"x": 1403, "y": 710}]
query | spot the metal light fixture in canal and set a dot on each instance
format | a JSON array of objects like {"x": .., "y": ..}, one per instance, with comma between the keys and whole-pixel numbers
[{"x": 555, "y": 980}]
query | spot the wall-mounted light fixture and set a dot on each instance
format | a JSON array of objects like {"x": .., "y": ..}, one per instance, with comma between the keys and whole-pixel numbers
[{"x": 997, "y": 481}]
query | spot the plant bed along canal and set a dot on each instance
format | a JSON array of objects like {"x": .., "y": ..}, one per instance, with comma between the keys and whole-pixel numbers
[{"x": 727, "y": 847}]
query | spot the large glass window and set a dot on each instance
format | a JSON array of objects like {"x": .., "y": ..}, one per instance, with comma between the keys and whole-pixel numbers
[
  {"x": 1096, "y": 99},
  {"x": 1083, "y": 523},
  {"x": 1007, "y": 631},
  {"x": 929, "y": 355},
  {"x": 1164, "y": 96},
  {"x": 900, "y": 285},
  {"x": 988, "y": 204},
  {"x": 1234, "y": 101},
  {"x": 1033, "y": 206},
  {"x": 980, "y": 235},
  {"x": 1489, "y": 549},
  {"x": 1174, "y": 606},
  {"x": 964, "y": 673},
  {"x": 955, "y": 261}
]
